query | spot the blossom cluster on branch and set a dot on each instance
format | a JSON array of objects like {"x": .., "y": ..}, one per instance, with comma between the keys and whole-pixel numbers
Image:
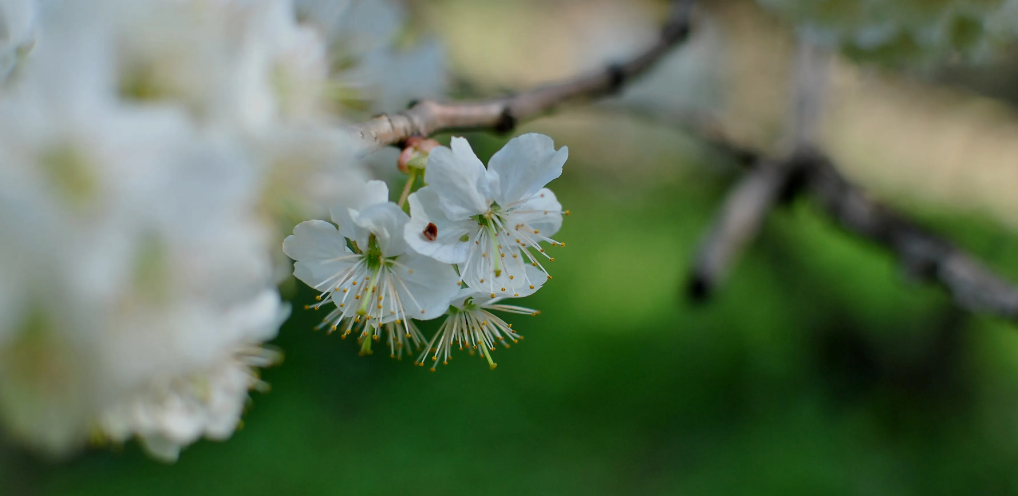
[{"x": 473, "y": 239}]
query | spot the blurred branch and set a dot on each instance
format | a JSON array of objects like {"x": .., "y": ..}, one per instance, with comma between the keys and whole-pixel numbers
[
  {"x": 738, "y": 222},
  {"x": 925, "y": 255},
  {"x": 503, "y": 114},
  {"x": 746, "y": 207}
]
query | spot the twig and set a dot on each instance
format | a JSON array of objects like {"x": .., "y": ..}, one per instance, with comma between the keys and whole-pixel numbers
[
  {"x": 750, "y": 201},
  {"x": 739, "y": 220},
  {"x": 925, "y": 255},
  {"x": 503, "y": 114},
  {"x": 973, "y": 286}
]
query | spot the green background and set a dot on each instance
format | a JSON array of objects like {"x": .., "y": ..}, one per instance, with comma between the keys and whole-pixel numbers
[{"x": 818, "y": 369}]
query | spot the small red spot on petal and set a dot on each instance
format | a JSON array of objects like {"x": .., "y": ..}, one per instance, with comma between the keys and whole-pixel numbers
[{"x": 431, "y": 232}]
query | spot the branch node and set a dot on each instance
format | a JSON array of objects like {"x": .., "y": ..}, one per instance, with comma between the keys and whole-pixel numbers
[
  {"x": 616, "y": 78},
  {"x": 506, "y": 121}
]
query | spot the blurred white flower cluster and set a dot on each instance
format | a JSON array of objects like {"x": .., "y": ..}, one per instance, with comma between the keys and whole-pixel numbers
[
  {"x": 473, "y": 238},
  {"x": 148, "y": 149},
  {"x": 906, "y": 31}
]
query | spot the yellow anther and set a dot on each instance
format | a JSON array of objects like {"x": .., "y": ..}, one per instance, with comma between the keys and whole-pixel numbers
[
  {"x": 510, "y": 278},
  {"x": 531, "y": 286},
  {"x": 354, "y": 283},
  {"x": 319, "y": 297}
]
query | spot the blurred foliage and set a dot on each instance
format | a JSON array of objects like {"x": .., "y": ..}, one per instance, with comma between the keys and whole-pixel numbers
[{"x": 817, "y": 370}]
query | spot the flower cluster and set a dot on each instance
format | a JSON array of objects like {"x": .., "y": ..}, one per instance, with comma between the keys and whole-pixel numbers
[
  {"x": 474, "y": 238},
  {"x": 147, "y": 151}
]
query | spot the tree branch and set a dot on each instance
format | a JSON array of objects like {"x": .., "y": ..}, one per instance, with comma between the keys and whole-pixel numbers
[
  {"x": 750, "y": 201},
  {"x": 973, "y": 286},
  {"x": 739, "y": 220},
  {"x": 503, "y": 114}
]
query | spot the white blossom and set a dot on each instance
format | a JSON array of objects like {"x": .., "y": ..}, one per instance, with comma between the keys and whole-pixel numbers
[
  {"x": 372, "y": 66},
  {"x": 17, "y": 33},
  {"x": 490, "y": 222},
  {"x": 367, "y": 270},
  {"x": 133, "y": 263},
  {"x": 470, "y": 324}
]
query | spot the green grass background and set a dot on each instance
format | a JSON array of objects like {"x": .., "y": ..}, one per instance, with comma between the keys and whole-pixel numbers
[{"x": 818, "y": 369}]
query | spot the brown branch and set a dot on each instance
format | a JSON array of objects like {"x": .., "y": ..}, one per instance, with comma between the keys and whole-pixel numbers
[
  {"x": 750, "y": 201},
  {"x": 973, "y": 286},
  {"x": 503, "y": 114},
  {"x": 738, "y": 222}
]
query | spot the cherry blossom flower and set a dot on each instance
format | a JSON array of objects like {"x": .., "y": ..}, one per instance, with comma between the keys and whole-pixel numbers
[
  {"x": 367, "y": 270},
  {"x": 136, "y": 271},
  {"x": 490, "y": 222},
  {"x": 470, "y": 324}
]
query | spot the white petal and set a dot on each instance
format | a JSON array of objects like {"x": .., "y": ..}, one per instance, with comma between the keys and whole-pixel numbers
[
  {"x": 425, "y": 293},
  {"x": 515, "y": 279},
  {"x": 447, "y": 246},
  {"x": 542, "y": 212},
  {"x": 372, "y": 193},
  {"x": 386, "y": 222},
  {"x": 524, "y": 166},
  {"x": 161, "y": 448},
  {"x": 458, "y": 176},
  {"x": 319, "y": 249}
]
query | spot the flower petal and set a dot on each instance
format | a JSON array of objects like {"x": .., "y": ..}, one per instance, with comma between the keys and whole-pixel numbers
[
  {"x": 372, "y": 193},
  {"x": 515, "y": 279},
  {"x": 542, "y": 212},
  {"x": 447, "y": 245},
  {"x": 386, "y": 222},
  {"x": 426, "y": 285},
  {"x": 458, "y": 176},
  {"x": 524, "y": 165},
  {"x": 320, "y": 251}
]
